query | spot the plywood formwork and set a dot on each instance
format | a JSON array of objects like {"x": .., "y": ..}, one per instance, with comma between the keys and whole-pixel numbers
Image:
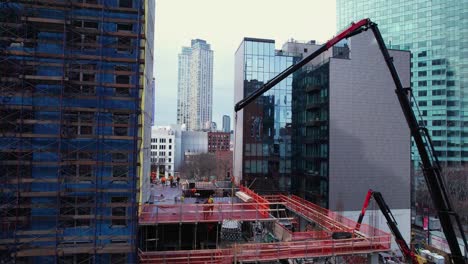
[{"x": 70, "y": 92}]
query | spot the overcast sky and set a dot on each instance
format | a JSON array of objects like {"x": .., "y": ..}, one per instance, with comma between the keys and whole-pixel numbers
[{"x": 223, "y": 24}]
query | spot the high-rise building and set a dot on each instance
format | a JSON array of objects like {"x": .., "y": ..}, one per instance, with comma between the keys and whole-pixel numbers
[
  {"x": 434, "y": 32},
  {"x": 349, "y": 133},
  {"x": 226, "y": 124},
  {"x": 75, "y": 115},
  {"x": 262, "y": 155},
  {"x": 195, "y": 87},
  {"x": 183, "y": 86}
]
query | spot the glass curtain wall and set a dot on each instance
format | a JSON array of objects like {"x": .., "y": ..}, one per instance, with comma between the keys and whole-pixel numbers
[{"x": 267, "y": 120}]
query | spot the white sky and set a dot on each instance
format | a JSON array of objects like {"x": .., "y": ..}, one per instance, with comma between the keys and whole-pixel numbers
[{"x": 223, "y": 24}]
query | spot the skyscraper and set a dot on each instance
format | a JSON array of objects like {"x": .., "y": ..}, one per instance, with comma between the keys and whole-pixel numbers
[
  {"x": 435, "y": 32},
  {"x": 195, "y": 86},
  {"x": 76, "y": 109},
  {"x": 226, "y": 124}
]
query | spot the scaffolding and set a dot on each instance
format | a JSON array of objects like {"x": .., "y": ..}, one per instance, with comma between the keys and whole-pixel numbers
[
  {"x": 318, "y": 242},
  {"x": 70, "y": 118}
]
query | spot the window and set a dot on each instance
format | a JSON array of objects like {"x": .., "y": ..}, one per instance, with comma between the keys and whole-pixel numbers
[
  {"x": 162, "y": 140},
  {"x": 78, "y": 123},
  {"x": 422, "y": 83},
  {"x": 422, "y": 73},
  {"x": 438, "y": 62},
  {"x": 162, "y": 153},
  {"x": 78, "y": 168},
  {"x": 126, "y": 3},
  {"x": 170, "y": 140},
  {"x": 438, "y": 72},
  {"x": 450, "y": 83},
  {"x": 438, "y": 102},
  {"x": 124, "y": 45},
  {"x": 453, "y": 113},
  {"x": 162, "y": 146},
  {"x": 438, "y": 122},
  {"x": 125, "y": 27},
  {"x": 76, "y": 211},
  {"x": 422, "y": 64},
  {"x": 119, "y": 211},
  {"x": 119, "y": 171},
  {"x": 422, "y": 93},
  {"x": 170, "y": 146},
  {"x": 121, "y": 122},
  {"x": 422, "y": 54},
  {"x": 170, "y": 153},
  {"x": 438, "y": 92},
  {"x": 84, "y": 35},
  {"x": 451, "y": 103},
  {"x": 82, "y": 79},
  {"x": 438, "y": 82},
  {"x": 422, "y": 103},
  {"x": 122, "y": 80}
]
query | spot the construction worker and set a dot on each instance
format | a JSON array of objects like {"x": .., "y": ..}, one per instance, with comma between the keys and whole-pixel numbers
[
  {"x": 211, "y": 204},
  {"x": 171, "y": 180},
  {"x": 163, "y": 181},
  {"x": 152, "y": 194}
]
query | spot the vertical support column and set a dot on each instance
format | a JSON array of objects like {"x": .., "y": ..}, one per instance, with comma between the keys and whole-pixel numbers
[
  {"x": 156, "y": 238},
  {"x": 217, "y": 234},
  {"x": 180, "y": 236},
  {"x": 194, "y": 246}
]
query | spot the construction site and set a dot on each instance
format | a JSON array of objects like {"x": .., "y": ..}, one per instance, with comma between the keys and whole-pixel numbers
[
  {"x": 72, "y": 121},
  {"x": 76, "y": 93},
  {"x": 244, "y": 227}
]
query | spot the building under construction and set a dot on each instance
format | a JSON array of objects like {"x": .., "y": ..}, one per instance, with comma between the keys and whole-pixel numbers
[
  {"x": 244, "y": 227},
  {"x": 76, "y": 106}
]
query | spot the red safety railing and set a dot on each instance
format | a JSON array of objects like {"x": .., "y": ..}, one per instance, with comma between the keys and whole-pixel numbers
[
  {"x": 264, "y": 203},
  {"x": 192, "y": 213},
  {"x": 269, "y": 251},
  {"x": 317, "y": 243}
]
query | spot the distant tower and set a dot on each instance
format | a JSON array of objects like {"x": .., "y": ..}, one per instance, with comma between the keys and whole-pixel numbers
[
  {"x": 226, "y": 124},
  {"x": 195, "y": 87}
]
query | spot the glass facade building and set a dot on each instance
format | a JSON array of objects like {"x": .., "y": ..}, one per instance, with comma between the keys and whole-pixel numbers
[
  {"x": 263, "y": 128},
  {"x": 435, "y": 32}
]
